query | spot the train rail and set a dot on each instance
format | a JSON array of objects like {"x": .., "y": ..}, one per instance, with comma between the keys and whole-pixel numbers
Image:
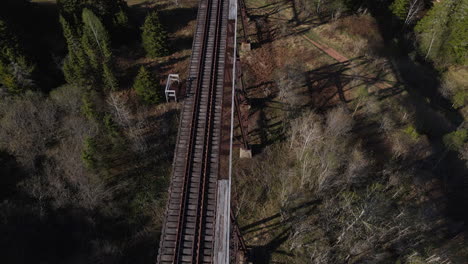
[{"x": 189, "y": 224}]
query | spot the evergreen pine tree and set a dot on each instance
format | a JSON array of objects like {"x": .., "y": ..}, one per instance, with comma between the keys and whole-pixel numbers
[
  {"x": 96, "y": 45},
  {"x": 457, "y": 41},
  {"x": 121, "y": 20},
  {"x": 7, "y": 79},
  {"x": 76, "y": 65},
  {"x": 88, "y": 106},
  {"x": 15, "y": 70},
  {"x": 144, "y": 86},
  {"x": 89, "y": 153},
  {"x": 442, "y": 32},
  {"x": 89, "y": 60},
  {"x": 154, "y": 37},
  {"x": 109, "y": 79},
  {"x": 400, "y": 8},
  {"x": 95, "y": 39},
  {"x": 69, "y": 6}
]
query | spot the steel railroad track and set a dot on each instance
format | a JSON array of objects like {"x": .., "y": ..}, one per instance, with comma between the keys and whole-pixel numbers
[{"x": 188, "y": 231}]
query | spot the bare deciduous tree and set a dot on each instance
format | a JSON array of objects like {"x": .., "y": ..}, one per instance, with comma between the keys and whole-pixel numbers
[
  {"x": 387, "y": 123},
  {"x": 339, "y": 121},
  {"x": 288, "y": 80},
  {"x": 414, "y": 8},
  {"x": 27, "y": 124},
  {"x": 371, "y": 106},
  {"x": 320, "y": 147},
  {"x": 121, "y": 112},
  {"x": 359, "y": 166},
  {"x": 133, "y": 125}
]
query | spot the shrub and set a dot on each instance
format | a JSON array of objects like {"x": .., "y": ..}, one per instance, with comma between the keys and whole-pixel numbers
[
  {"x": 460, "y": 98},
  {"x": 455, "y": 86},
  {"x": 456, "y": 139},
  {"x": 68, "y": 98},
  {"x": 410, "y": 130},
  {"x": 361, "y": 96}
]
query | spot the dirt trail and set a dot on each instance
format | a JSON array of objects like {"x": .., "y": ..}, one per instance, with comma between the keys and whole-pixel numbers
[
  {"x": 337, "y": 56},
  {"x": 329, "y": 51}
]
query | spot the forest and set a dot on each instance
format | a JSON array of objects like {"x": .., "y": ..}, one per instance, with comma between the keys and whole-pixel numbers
[
  {"x": 363, "y": 160},
  {"x": 86, "y": 142}
]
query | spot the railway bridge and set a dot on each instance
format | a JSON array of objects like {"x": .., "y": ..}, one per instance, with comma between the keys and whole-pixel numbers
[{"x": 196, "y": 226}]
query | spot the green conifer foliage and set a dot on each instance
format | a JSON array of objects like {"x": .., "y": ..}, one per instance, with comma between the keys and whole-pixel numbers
[
  {"x": 121, "y": 20},
  {"x": 458, "y": 36},
  {"x": 95, "y": 39},
  {"x": 70, "y": 7},
  {"x": 88, "y": 155},
  {"x": 456, "y": 139},
  {"x": 400, "y": 8},
  {"x": 89, "y": 59},
  {"x": 88, "y": 107},
  {"x": 111, "y": 12},
  {"x": 144, "y": 86},
  {"x": 111, "y": 126},
  {"x": 15, "y": 70},
  {"x": 76, "y": 65},
  {"x": 443, "y": 32},
  {"x": 109, "y": 79},
  {"x": 154, "y": 37},
  {"x": 96, "y": 44}
]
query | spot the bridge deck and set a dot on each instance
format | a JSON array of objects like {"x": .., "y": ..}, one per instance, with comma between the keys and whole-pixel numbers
[{"x": 198, "y": 195}]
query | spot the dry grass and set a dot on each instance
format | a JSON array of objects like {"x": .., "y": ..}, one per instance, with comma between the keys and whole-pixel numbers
[
  {"x": 363, "y": 26},
  {"x": 353, "y": 36},
  {"x": 265, "y": 182}
]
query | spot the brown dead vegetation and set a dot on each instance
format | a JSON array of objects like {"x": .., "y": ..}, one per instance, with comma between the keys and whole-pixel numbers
[{"x": 346, "y": 173}]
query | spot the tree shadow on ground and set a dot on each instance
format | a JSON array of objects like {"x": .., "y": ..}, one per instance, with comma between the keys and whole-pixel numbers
[
  {"x": 294, "y": 26},
  {"x": 325, "y": 87},
  {"x": 422, "y": 81},
  {"x": 139, "y": 11},
  {"x": 11, "y": 173},
  {"x": 165, "y": 66},
  {"x": 37, "y": 27},
  {"x": 435, "y": 117},
  {"x": 177, "y": 18},
  {"x": 263, "y": 254},
  {"x": 266, "y": 131},
  {"x": 181, "y": 43},
  {"x": 278, "y": 227},
  {"x": 51, "y": 235},
  {"x": 324, "y": 83}
]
